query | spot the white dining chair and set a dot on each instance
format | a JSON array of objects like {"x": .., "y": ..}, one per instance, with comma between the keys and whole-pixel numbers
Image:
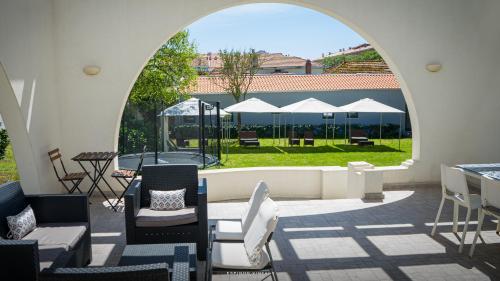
[
  {"x": 454, "y": 188},
  {"x": 235, "y": 230},
  {"x": 490, "y": 205}
]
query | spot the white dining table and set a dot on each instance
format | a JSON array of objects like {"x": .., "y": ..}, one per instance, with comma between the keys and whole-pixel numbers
[{"x": 491, "y": 170}]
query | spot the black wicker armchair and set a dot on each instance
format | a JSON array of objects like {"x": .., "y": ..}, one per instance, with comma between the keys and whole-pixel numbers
[
  {"x": 145, "y": 227},
  {"x": 63, "y": 229}
]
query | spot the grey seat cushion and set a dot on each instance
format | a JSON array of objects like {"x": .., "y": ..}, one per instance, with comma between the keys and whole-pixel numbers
[
  {"x": 233, "y": 255},
  {"x": 152, "y": 218},
  {"x": 59, "y": 235}
]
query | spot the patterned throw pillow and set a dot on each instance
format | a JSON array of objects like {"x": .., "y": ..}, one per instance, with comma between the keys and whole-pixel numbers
[
  {"x": 167, "y": 200},
  {"x": 21, "y": 224}
]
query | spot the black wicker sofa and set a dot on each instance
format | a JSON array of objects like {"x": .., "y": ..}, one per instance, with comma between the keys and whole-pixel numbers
[{"x": 63, "y": 226}]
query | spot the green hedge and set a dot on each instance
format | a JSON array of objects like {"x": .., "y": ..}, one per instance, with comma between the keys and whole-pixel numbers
[
  {"x": 4, "y": 142},
  {"x": 266, "y": 131}
]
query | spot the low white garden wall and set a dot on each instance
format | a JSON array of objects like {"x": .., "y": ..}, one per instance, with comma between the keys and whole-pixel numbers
[{"x": 290, "y": 182}]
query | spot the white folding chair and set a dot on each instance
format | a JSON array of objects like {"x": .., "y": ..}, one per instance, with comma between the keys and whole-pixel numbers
[
  {"x": 235, "y": 230},
  {"x": 253, "y": 254},
  {"x": 490, "y": 197},
  {"x": 454, "y": 188}
]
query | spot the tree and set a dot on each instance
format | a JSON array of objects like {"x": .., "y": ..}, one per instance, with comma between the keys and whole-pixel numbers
[
  {"x": 165, "y": 78},
  {"x": 168, "y": 74},
  {"x": 236, "y": 73}
]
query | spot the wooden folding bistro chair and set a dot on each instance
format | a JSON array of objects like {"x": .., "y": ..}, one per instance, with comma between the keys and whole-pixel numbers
[
  {"x": 126, "y": 177},
  {"x": 74, "y": 178}
]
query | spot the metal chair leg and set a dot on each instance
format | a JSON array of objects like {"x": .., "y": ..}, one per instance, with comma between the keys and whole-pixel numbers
[
  {"x": 76, "y": 186},
  {"x": 126, "y": 187},
  {"x": 438, "y": 216},
  {"x": 273, "y": 270},
  {"x": 66, "y": 187},
  {"x": 455, "y": 217},
  {"x": 478, "y": 231},
  {"x": 466, "y": 225}
]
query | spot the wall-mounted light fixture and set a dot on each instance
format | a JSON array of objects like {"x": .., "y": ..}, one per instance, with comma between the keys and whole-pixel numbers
[
  {"x": 433, "y": 67},
  {"x": 91, "y": 70}
]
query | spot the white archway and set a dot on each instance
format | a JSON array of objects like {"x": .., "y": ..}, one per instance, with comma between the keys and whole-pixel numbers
[
  {"x": 15, "y": 125},
  {"x": 162, "y": 38},
  {"x": 78, "y": 113}
]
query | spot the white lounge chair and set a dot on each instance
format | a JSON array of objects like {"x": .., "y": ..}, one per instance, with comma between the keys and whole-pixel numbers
[
  {"x": 235, "y": 230},
  {"x": 250, "y": 255},
  {"x": 490, "y": 195},
  {"x": 454, "y": 188}
]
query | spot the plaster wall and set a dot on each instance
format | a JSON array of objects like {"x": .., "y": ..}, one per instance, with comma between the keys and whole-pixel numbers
[
  {"x": 29, "y": 103},
  {"x": 454, "y": 112}
]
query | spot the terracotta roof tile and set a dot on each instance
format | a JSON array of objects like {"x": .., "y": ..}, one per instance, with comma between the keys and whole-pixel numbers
[{"x": 305, "y": 83}]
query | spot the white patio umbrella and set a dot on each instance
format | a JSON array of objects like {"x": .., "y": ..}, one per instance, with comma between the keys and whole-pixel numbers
[
  {"x": 255, "y": 105},
  {"x": 189, "y": 107},
  {"x": 312, "y": 105},
  {"x": 371, "y": 106}
]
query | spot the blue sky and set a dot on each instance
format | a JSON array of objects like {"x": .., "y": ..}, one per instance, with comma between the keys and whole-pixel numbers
[{"x": 282, "y": 28}]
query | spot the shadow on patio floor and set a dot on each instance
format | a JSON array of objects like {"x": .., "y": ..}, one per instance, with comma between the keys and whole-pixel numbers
[{"x": 348, "y": 239}]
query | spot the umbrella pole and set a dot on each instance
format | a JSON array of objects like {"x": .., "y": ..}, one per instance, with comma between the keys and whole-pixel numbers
[
  {"x": 350, "y": 129},
  {"x": 400, "y": 118},
  {"x": 165, "y": 134},
  {"x": 279, "y": 129},
  {"x": 333, "y": 130},
  {"x": 284, "y": 143},
  {"x": 274, "y": 125},
  {"x": 228, "y": 137},
  {"x": 380, "y": 130},
  {"x": 345, "y": 129},
  {"x": 326, "y": 130}
]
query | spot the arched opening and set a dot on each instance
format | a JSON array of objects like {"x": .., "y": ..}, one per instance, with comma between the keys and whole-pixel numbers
[
  {"x": 404, "y": 89},
  {"x": 8, "y": 167},
  {"x": 17, "y": 138}
]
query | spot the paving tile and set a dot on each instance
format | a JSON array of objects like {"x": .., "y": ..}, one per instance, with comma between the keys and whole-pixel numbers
[{"x": 346, "y": 239}]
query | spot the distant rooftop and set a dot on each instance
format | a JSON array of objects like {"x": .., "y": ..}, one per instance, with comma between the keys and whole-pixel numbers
[
  {"x": 269, "y": 60},
  {"x": 351, "y": 50},
  {"x": 360, "y": 67},
  {"x": 304, "y": 83}
]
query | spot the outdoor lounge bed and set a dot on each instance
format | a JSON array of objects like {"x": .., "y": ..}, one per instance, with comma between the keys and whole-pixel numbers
[
  {"x": 249, "y": 138},
  {"x": 61, "y": 236},
  {"x": 308, "y": 138},
  {"x": 293, "y": 139},
  {"x": 357, "y": 136}
]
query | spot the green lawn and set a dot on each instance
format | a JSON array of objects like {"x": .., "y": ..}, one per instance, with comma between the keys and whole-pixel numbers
[
  {"x": 339, "y": 154},
  {"x": 268, "y": 154},
  {"x": 8, "y": 169}
]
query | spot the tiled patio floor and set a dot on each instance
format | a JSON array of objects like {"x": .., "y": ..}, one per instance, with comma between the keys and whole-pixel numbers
[{"x": 348, "y": 239}]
